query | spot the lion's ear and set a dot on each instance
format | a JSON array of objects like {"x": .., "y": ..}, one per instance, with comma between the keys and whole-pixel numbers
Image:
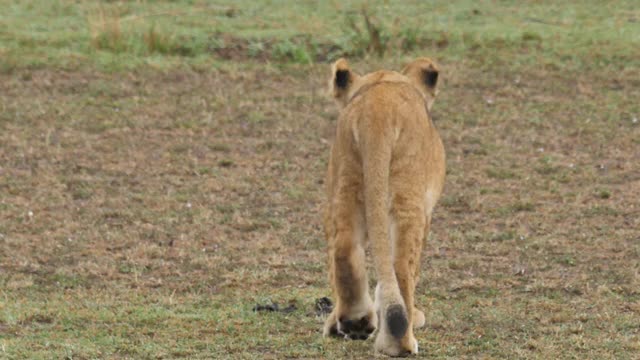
[
  {"x": 424, "y": 73},
  {"x": 342, "y": 79}
]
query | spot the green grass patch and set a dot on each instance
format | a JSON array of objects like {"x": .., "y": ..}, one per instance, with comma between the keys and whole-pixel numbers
[{"x": 165, "y": 33}]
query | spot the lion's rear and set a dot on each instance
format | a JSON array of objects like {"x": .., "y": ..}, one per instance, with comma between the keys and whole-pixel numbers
[{"x": 380, "y": 154}]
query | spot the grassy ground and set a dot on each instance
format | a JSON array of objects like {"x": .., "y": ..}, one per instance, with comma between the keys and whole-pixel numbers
[{"x": 161, "y": 169}]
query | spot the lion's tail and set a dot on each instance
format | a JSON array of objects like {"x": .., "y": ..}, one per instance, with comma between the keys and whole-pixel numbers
[{"x": 376, "y": 147}]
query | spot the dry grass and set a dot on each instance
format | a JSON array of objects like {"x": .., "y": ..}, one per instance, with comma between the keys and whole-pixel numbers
[
  {"x": 144, "y": 206},
  {"x": 105, "y": 28},
  {"x": 111, "y": 30}
]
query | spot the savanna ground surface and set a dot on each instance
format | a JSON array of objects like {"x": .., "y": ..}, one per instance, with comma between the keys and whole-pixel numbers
[{"x": 162, "y": 164}]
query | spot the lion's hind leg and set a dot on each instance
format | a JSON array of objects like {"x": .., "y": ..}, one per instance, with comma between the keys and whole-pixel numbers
[
  {"x": 407, "y": 235},
  {"x": 419, "y": 319},
  {"x": 353, "y": 317}
]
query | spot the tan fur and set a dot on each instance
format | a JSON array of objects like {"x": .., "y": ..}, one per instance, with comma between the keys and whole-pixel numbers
[{"x": 386, "y": 173}]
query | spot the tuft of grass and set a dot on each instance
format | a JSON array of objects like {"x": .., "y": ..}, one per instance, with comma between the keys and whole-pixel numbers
[
  {"x": 106, "y": 30},
  {"x": 158, "y": 42},
  {"x": 603, "y": 194},
  {"x": 366, "y": 34},
  {"x": 523, "y": 206},
  {"x": 289, "y": 51},
  {"x": 501, "y": 174},
  {"x": 133, "y": 34}
]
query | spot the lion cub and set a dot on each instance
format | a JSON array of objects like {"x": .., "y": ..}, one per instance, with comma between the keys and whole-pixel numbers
[{"x": 386, "y": 173}]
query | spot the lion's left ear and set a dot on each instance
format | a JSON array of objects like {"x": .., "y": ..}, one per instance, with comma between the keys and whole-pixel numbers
[
  {"x": 424, "y": 73},
  {"x": 341, "y": 81}
]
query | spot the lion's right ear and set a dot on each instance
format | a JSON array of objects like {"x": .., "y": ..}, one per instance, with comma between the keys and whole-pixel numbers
[
  {"x": 342, "y": 79},
  {"x": 423, "y": 72}
]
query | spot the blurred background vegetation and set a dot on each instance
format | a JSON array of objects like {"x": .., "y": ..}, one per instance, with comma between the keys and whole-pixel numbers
[{"x": 124, "y": 34}]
